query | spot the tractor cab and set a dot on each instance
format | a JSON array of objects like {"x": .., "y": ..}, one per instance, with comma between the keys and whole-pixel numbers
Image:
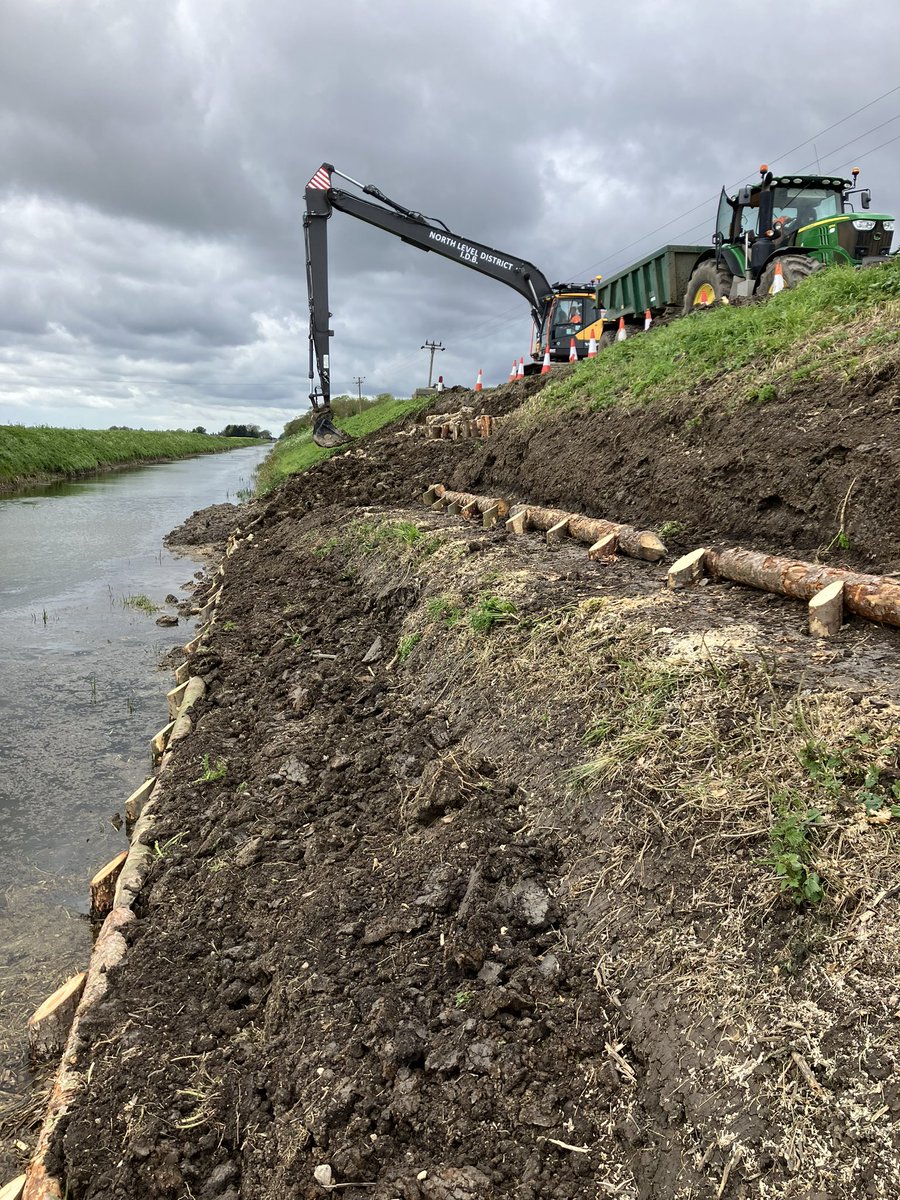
[
  {"x": 572, "y": 313},
  {"x": 805, "y": 214}
]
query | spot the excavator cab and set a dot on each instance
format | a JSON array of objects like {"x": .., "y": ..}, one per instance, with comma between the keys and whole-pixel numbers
[{"x": 572, "y": 314}]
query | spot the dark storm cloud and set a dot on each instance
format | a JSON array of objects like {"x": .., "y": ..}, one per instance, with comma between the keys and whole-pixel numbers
[{"x": 154, "y": 157}]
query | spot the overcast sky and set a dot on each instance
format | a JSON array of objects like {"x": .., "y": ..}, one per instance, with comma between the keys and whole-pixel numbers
[{"x": 154, "y": 154}]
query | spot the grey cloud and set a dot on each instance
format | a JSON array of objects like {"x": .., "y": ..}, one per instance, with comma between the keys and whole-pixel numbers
[{"x": 154, "y": 157}]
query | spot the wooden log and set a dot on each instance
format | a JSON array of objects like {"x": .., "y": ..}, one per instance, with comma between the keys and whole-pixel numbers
[
  {"x": 637, "y": 543},
  {"x": 874, "y": 597},
  {"x": 468, "y": 511},
  {"x": 159, "y": 742},
  {"x": 605, "y": 548},
  {"x": 14, "y": 1189},
  {"x": 41, "y": 1183},
  {"x": 134, "y": 805},
  {"x": 182, "y": 671},
  {"x": 173, "y": 699},
  {"x": 103, "y": 886},
  {"x": 482, "y": 503},
  {"x": 826, "y": 610},
  {"x": 557, "y": 533},
  {"x": 686, "y": 570},
  {"x": 518, "y": 524},
  {"x": 49, "y": 1025}
]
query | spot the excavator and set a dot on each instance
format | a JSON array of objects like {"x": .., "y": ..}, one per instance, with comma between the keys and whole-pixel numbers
[{"x": 564, "y": 314}]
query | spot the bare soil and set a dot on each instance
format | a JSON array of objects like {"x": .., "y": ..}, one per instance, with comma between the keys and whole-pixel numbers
[{"x": 464, "y": 882}]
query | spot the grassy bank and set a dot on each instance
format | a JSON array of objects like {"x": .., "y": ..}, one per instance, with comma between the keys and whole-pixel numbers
[
  {"x": 296, "y": 453},
  {"x": 29, "y": 452},
  {"x": 837, "y": 323}
]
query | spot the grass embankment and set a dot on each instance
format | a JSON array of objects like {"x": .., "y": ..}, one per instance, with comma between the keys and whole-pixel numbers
[
  {"x": 296, "y": 453},
  {"x": 33, "y": 452},
  {"x": 837, "y": 324}
]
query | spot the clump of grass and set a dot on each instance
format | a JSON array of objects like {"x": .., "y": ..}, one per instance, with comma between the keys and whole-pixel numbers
[
  {"x": 446, "y": 609},
  {"x": 406, "y": 645},
  {"x": 212, "y": 771},
  {"x": 143, "y": 603},
  {"x": 489, "y": 611},
  {"x": 369, "y": 537}
]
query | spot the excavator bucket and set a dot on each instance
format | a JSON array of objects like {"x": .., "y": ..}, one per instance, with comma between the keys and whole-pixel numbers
[{"x": 326, "y": 434}]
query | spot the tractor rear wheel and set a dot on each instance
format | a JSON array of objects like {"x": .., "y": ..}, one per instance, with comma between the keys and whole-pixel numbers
[
  {"x": 794, "y": 269},
  {"x": 709, "y": 284}
]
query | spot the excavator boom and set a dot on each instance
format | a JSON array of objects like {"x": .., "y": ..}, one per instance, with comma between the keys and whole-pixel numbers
[{"x": 425, "y": 233}]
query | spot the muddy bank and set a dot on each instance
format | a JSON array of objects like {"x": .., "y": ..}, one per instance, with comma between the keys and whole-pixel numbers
[
  {"x": 815, "y": 472},
  {"x": 468, "y": 880}
]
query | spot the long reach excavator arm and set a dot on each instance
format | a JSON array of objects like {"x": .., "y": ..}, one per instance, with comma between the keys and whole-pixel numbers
[{"x": 425, "y": 233}]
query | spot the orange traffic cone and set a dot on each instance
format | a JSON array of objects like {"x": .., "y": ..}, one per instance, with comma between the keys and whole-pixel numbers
[
  {"x": 545, "y": 369},
  {"x": 520, "y": 373},
  {"x": 778, "y": 281},
  {"x": 621, "y": 335},
  {"x": 592, "y": 347},
  {"x": 512, "y": 373},
  {"x": 478, "y": 384},
  {"x": 648, "y": 320},
  {"x": 573, "y": 351}
]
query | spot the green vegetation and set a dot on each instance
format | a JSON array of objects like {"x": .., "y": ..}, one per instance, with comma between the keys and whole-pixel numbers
[
  {"x": 445, "y": 608},
  {"x": 144, "y": 603},
  {"x": 369, "y": 537},
  {"x": 212, "y": 771},
  {"x": 491, "y": 610},
  {"x": 791, "y": 851},
  {"x": 812, "y": 321},
  {"x": 406, "y": 645},
  {"x": 34, "y": 451},
  {"x": 298, "y": 451}
]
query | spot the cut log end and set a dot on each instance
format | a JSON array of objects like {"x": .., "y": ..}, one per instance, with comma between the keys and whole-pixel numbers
[
  {"x": 49, "y": 1025},
  {"x": 103, "y": 886},
  {"x": 14, "y": 1189},
  {"x": 490, "y": 518},
  {"x": 826, "y": 610},
  {"x": 517, "y": 524},
  {"x": 605, "y": 547},
  {"x": 558, "y": 532},
  {"x": 687, "y": 569}
]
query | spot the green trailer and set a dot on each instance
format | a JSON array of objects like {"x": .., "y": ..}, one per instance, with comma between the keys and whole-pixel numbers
[{"x": 658, "y": 283}]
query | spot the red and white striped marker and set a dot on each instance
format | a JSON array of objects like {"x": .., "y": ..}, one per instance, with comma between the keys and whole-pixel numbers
[
  {"x": 440, "y": 386},
  {"x": 545, "y": 369},
  {"x": 573, "y": 351},
  {"x": 512, "y": 373},
  {"x": 592, "y": 347},
  {"x": 778, "y": 281},
  {"x": 648, "y": 320},
  {"x": 479, "y": 387},
  {"x": 621, "y": 335},
  {"x": 520, "y": 373}
]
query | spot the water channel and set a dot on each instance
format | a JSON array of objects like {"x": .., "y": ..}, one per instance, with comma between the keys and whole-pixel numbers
[{"x": 81, "y": 695}]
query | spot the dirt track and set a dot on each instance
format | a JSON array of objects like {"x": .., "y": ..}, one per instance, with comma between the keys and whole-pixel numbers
[{"x": 475, "y": 901}]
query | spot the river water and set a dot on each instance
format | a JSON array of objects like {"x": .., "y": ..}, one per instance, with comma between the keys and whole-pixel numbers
[{"x": 81, "y": 695}]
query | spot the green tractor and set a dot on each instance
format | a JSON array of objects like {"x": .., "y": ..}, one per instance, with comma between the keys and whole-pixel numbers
[{"x": 775, "y": 233}]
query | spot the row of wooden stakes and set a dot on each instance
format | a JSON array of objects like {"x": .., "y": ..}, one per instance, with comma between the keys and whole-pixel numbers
[
  {"x": 828, "y": 590},
  {"x": 53, "y": 1027}
]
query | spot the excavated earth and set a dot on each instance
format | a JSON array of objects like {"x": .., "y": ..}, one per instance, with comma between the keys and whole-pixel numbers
[{"x": 464, "y": 884}]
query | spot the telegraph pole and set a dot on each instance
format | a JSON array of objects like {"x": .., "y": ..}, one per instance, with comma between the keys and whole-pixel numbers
[
  {"x": 432, "y": 346},
  {"x": 359, "y": 380}
]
